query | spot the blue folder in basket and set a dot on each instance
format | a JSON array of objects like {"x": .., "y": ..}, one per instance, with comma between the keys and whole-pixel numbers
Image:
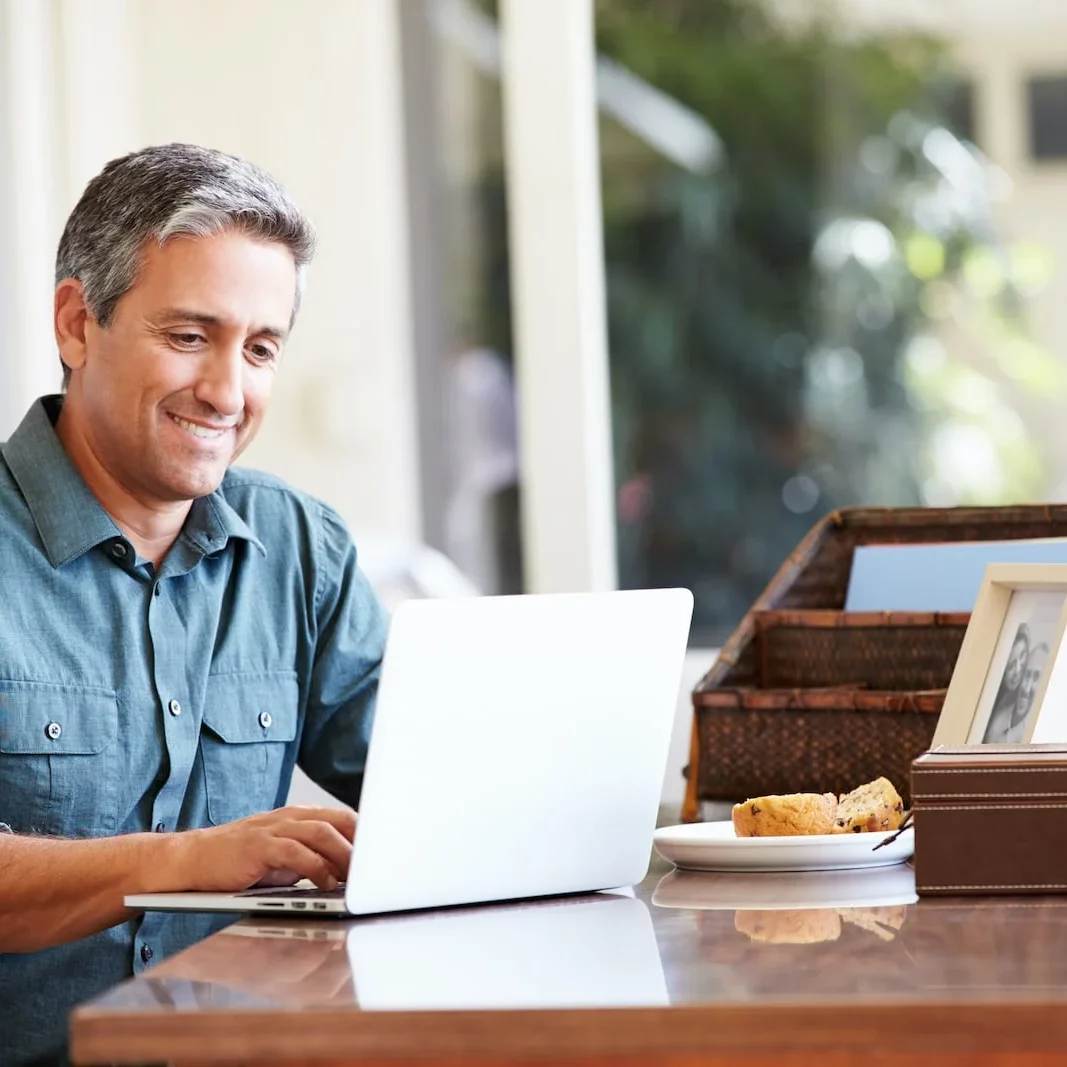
[{"x": 936, "y": 577}]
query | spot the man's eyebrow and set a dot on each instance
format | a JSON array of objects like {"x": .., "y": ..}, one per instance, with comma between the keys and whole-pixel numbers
[{"x": 204, "y": 319}]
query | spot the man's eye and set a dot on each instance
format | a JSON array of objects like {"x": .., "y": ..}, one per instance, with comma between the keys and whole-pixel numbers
[
  {"x": 186, "y": 339},
  {"x": 261, "y": 353}
]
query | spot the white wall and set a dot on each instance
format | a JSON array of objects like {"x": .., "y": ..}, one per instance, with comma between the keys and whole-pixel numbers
[
  {"x": 28, "y": 97},
  {"x": 952, "y": 18}
]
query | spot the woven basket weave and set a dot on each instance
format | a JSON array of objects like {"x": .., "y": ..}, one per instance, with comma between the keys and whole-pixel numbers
[{"x": 806, "y": 697}]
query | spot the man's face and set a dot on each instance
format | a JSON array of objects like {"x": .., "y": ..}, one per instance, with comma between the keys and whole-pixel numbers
[
  {"x": 175, "y": 388},
  {"x": 1013, "y": 673}
]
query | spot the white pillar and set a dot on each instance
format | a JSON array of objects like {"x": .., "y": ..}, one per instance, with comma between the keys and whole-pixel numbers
[
  {"x": 379, "y": 202},
  {"x": 557, "y": 293},
  {"x": 29, "y": 364}
]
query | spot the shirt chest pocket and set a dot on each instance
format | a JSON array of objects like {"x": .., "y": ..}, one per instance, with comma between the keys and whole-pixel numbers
[
  {"x": 59, "y": 766},
  {"x": 249, "y": 722}
]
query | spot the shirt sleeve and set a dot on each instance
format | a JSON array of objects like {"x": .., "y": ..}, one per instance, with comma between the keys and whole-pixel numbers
[
  {"x": 351, "y": 630},
  {"x": 5, "y": 829}
]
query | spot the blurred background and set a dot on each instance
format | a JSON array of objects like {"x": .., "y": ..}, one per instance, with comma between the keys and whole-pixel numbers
[{"x": 624, "y": 292}]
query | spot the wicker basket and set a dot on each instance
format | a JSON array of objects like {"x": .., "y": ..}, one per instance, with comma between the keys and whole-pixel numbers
[{"x": 805, "y": 696}]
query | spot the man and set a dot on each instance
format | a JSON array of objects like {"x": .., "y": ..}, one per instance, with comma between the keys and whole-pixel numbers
[
  {"x": 1007, "y": 699},
  {"x": 174, "y": 634}
]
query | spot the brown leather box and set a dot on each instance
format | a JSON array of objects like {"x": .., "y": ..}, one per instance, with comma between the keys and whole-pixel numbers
[{"x": 990, "y": 819}]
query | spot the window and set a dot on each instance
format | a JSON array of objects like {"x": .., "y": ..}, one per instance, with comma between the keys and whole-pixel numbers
[
  {"x": 1046, "y": 99},
  {"x": 820, "y": 293},
  {"x": 458, "y": 220}
]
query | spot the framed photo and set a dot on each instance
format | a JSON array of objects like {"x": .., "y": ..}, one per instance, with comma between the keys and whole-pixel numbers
[{"x": 1006, "y": 662}]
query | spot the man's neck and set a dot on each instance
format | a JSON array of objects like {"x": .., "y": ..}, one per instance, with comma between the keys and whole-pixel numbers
[{"x": 150, "y": 527}]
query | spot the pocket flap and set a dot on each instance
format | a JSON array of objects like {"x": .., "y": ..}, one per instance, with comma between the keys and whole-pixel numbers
[
  {"x": 245, "y": 708},
  {"x": 42, "y": 719}
]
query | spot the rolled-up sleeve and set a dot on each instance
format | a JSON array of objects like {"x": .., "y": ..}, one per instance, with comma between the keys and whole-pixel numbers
[{"x": 351, "y": 631}]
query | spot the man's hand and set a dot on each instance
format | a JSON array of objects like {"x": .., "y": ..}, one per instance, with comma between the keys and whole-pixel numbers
[
  {"x": 274, "y": 848},
  {"x": 53, "y": 890}
]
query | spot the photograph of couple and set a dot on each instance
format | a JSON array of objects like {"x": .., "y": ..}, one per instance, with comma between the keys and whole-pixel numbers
[
  {"x": 1018, "y": 687},
  {"x": 1033, "y": 626}
]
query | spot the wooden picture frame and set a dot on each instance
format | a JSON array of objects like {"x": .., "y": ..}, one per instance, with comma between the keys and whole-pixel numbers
[{"x": 1007, "y": 657}]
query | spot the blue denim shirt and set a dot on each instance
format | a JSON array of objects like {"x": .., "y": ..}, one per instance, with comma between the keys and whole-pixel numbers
[{"x": 133, "y": 699}]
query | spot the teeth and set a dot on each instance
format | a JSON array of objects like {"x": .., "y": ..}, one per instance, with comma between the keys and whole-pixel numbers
[{"x": 197, "y": 430}]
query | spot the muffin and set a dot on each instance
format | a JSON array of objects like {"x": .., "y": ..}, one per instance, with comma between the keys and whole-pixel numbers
[
  {"x": 872, "y": 808},
  {"x": 788, "y": 815}
]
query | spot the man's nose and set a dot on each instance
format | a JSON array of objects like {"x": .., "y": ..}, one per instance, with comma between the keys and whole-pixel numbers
[{"x": 221, "y": 383}]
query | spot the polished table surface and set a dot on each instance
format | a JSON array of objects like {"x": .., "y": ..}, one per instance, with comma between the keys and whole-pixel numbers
[{"x": 832, "y": 968}]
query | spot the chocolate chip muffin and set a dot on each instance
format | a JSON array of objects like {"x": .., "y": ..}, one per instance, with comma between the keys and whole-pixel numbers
[
  {"x": 872, "y": 808},
  {"x": 788, "y": 815}
]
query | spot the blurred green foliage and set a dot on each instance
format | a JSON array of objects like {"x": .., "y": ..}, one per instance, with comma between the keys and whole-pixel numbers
[{"x": 772, "y": 320}]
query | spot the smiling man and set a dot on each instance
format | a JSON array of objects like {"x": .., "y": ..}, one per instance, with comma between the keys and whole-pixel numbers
[{"x": 175, "y": 634}]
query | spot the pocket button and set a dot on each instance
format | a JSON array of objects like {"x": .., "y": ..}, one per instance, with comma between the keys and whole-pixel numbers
[{"x": 53, "y": 731}]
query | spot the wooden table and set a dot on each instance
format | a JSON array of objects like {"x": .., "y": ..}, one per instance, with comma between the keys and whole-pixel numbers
[{"x": 673, "y": 976}]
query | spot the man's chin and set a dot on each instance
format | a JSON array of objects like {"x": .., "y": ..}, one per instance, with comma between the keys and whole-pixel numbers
[{"x": 192, "y": 486}]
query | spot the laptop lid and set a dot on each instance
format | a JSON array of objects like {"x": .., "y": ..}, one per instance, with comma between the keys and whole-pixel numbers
[{"x": 518, "y": 748}]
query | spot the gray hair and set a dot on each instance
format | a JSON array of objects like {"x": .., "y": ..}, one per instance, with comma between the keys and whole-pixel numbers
[{"x": 169, "y": 191}]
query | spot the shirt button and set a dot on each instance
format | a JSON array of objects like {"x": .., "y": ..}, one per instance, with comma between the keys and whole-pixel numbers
[
  {"x": 146, "y": 953},
  {"x": 174, "y": 708},
  {"x": 265, "y": 719},
  {"x": 160, "y": 827},
  {"x": 119, "y": 550},
  {"x": 53, "y": 730}
]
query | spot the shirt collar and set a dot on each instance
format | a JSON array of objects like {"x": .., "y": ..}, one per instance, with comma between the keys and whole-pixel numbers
[
  {"x": 69, "y": 518},
  {"x": 212, "y": 522}
]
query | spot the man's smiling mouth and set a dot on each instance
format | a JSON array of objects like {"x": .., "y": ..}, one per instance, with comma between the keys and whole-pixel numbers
[{"x": 204, "y": 432}]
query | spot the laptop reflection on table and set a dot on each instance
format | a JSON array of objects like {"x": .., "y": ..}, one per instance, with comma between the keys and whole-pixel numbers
[{"x": 593, "y": 951}]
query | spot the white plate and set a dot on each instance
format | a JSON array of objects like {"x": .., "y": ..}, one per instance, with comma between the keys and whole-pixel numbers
[
  {"x": 876, "y": 887},
  {"x": 713, "y": 846}
]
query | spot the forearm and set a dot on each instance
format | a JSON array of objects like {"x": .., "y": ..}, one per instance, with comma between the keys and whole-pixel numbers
[{"x": 54, "y": 890}]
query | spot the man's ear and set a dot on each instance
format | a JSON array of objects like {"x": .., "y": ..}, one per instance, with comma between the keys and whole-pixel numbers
[{"x": 70, "y": 317}]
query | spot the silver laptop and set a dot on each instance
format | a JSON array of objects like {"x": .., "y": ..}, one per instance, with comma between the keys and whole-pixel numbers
[{"x": 518, "y": 750}]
